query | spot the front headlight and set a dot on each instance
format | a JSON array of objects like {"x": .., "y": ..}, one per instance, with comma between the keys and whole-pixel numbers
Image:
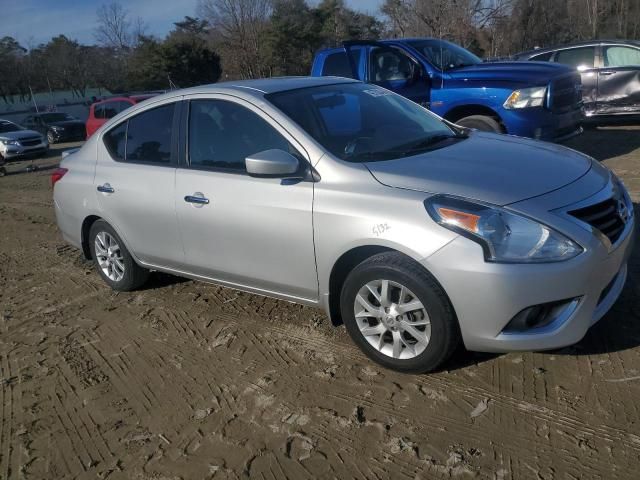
[
  {"x": 505, "y": 237},
  {"x": 527, "y": 97},
  {"x": 9, "y": 142}
]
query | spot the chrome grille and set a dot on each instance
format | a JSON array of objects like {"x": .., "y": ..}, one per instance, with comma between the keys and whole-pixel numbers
[
  {"x": 30, "y": 141},
  {"x": 604, "y": 217},
  {"x": 565, "y": 93}
]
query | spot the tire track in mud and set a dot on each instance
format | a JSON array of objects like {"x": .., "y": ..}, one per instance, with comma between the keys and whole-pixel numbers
[{"x": 539, "y": 413}]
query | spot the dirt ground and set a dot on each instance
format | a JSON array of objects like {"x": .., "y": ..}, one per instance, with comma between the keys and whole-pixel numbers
[{"x": 188, "y": 380}]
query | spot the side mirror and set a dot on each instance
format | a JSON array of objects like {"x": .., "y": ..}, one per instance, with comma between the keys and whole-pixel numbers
[{"x": 272, "y": 163}]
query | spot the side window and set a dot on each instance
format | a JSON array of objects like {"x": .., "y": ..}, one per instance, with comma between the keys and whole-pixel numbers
[
  {"x": 110, "y": 109},
  {"x": 580, "y": 58},
  {"x": 98, "y": 111},
  {"x": 390, "y": 64},
  {"x": 122, "y": 105},
  {"x": 337, "y": 64},
  {"x": 619, "y": 56},
  {"x": 149, "y": 136},
  {"x": 115, "y": 141},
  {"x": 543, "y": 57},
  {"x": 222, "y": 134}
]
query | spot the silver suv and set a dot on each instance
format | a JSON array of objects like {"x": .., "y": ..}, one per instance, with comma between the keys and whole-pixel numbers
[{"x": 413, "y": 232}]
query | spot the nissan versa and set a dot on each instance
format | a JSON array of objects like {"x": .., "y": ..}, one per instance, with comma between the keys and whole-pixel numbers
[{"x": 415, "y": 233}]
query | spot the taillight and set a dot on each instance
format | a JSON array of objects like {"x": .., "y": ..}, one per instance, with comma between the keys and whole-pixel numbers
[{"x": 57, "y": 174}]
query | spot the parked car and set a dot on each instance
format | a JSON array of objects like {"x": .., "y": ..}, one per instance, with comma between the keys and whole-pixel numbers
[
  {"x": 330, "y": 192},
  {"x": 56, "y": 126},
  {"x": 16, "y": 142},
  {"x": 610, "y": 73},
  {"x": 102, "y": 111},
  {"x": 541, "y": 101}
]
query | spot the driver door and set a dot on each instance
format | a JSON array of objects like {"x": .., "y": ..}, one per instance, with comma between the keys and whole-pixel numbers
[
  {"x": 255, "y": 233},
  {"x": 393, "y": 69}
]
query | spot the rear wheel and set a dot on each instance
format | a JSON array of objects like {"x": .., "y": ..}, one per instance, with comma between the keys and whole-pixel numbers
[
  {"x": 481, "y": 122},
  {"x": 51, "y": 138},
  {"x": 398, "y": 314},
  {"x": 115, "y": 264}
]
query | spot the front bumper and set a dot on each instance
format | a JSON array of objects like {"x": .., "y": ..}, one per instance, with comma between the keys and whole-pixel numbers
[
  {"x": 68, "y": 135},
  {"x": 486, "y": 296},
  {"x": 18, "y": 152},
  {"x": 543, "y": 124}
]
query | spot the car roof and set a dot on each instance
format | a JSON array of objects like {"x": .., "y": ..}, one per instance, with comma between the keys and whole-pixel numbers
[
  {"x": 260, "y": 87},
  {"x": 585, "y": 43}
]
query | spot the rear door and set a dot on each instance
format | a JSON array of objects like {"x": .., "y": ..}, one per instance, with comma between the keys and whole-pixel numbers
[
  {"x": 584, "y": 60},
  {"x": 135, "y": 179},
  {"x": 619, "y": 80},
  {"x": 246, "y": 231}
]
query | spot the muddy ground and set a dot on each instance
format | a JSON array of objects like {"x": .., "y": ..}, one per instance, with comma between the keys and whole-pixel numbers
[{"x": 188, "y": 380}]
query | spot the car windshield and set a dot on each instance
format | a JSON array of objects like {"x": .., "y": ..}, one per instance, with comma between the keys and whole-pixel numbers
[
  {"x": 56, "y": 117},
  {"x": 361, "y": 123},
  {"x": 6, "y": 127},
  {"x": 445, "y": 55}
]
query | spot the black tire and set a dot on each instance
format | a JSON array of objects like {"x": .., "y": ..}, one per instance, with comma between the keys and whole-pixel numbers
[
  {"x": 481, "y": 122},
  {"x": 3, "y": 172},
  {"x": 396, "y": 267},
  {"x": 134, "y": 275},
  {"x": 51, "y": 138}
]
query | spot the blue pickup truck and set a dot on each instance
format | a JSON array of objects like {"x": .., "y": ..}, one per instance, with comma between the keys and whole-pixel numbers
[{"x": 530, "y": 99}]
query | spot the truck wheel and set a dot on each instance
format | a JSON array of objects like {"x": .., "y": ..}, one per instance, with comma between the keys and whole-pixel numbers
[
  {"x": 398, "y": 314},
  {"x": 51, "y": 138},
  {"x": 481, "y": 122}
]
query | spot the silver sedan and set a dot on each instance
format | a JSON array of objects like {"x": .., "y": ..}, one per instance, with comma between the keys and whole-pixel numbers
[{"x": 414, "y": 233}]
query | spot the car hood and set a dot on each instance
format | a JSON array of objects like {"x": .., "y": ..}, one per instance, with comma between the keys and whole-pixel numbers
[
  {"x": 66, "y": 123},
  {"x": 493, "y": 168},
  {"x": 19, "y": 135},
  {"x": 529, "y": 73}
]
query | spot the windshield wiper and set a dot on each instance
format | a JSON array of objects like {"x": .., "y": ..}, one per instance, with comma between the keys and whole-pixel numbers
[
  {"x": 431, "y": 141},
  {"x": 413, "y": 147}
]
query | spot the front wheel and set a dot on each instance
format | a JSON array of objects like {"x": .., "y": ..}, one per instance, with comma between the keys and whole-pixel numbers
[
  {"x": 51, "y": 138},
  {"x": 481, "y": 122},
  {"x": 115, "y": 264},
  {"x": 3, "y": 172},
  {"x": 398, "y": 314}
]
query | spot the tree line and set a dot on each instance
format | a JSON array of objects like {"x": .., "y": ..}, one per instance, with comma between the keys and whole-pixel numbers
[{"x": 230, "y": 39}]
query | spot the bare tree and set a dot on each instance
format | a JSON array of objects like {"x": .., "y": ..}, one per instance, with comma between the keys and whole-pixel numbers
[
  {"x": 115, "y": 28},
  {"x": 238, "y": 29}
]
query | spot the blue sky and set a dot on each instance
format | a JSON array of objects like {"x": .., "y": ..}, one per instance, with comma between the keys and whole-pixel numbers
[{"x": 33, "y": 22}]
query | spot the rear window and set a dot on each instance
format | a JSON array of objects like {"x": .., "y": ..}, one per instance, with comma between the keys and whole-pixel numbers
[
  {"x": 149, "y": 136},
  {"x": 144, "y": 138},
  {"x": 337, "y": 64},
  {"x": 620, "y": 56},
  {"x": 115, "y": 141}
]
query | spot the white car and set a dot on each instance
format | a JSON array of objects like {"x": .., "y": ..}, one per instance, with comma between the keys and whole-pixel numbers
[{"x": 16, "y": 142}]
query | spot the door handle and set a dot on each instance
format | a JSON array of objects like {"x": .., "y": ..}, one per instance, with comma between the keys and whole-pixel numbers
[
  {"x": 106, "y": 188},
  {"x": 198, "y": 200},
  {"x": 607, "y": 72}
]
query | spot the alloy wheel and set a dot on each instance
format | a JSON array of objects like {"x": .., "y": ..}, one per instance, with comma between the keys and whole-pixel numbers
[
  {"x": 392, "y": 319},
  {"x": 109, "y": 256}
]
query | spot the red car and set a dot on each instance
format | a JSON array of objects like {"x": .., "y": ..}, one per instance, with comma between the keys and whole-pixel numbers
[{"x": 102, "y": 111}]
